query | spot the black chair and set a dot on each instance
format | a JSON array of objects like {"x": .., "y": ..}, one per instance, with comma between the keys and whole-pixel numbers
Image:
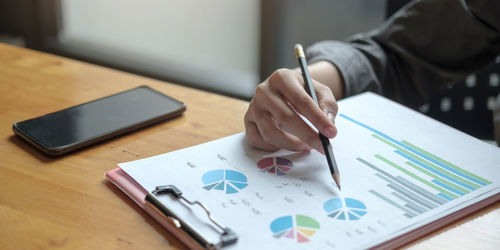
[{"x": 467, "y": 105}]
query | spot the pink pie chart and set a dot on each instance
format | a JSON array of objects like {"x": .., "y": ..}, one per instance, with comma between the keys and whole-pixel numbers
[{"x": 275, "y": 165}]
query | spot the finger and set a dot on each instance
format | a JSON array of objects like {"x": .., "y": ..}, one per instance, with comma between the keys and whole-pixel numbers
[
  {"x": 290, "y": 122},
  {"x": 255, "y": 139},
  {"x": 273, "y": 135},
  {"x": 271, "y": 138},
  {"x": 327, "y": 102},
  {"x": 305, "y": 105}
]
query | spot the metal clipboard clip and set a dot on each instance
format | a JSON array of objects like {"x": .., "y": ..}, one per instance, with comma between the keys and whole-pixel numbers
[{"x": 227, "y": 237}]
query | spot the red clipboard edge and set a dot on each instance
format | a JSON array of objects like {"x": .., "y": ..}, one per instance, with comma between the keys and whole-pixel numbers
[{"x": 138, "y": 194}]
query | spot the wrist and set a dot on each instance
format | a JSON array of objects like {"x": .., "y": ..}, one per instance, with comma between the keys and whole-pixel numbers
[{"x": 328, "y": 74}]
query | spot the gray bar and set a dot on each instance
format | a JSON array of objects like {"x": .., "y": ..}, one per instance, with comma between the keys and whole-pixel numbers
[
  {"x": 415, "y": 198},
  {"x": 410, "y": 204},
  {"x": 408, "y": 215},
  {"x": 422, "y": 191},
  {"x": 404, "y": 191},
  {"x": 407, "y": 211},
  {"x": 406, "y": 183},
  {"x": 411, "y": 207}
]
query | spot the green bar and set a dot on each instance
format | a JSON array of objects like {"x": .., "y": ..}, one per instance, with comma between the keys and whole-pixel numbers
[
  {"x": 437, "y": 177},
  {"x": 416, "y": 177},
  {"x": 451, "y": 165},
  {"x": 430, "y": 164}
]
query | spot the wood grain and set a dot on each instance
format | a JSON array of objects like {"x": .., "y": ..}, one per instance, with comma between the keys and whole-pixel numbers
[{"x": 67, "y": 203}]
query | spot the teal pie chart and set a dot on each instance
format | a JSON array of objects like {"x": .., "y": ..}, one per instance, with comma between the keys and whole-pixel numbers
[
  {"x": 225, "y": 180},
  {"x": 345, "y": 209}
]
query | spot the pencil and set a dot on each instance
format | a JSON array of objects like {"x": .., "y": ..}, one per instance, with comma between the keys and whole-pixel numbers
[{"x": 330, "y": 158}]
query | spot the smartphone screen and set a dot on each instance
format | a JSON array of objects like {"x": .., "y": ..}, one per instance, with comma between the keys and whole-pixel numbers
[{"x": 84, "y": 124}]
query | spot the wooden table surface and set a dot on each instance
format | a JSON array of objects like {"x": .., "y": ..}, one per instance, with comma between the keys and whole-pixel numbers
[{"x": 66, "y": 202}]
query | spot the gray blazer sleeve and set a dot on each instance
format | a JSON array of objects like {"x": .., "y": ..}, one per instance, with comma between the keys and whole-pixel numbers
[{"x": 426, "y": 45}]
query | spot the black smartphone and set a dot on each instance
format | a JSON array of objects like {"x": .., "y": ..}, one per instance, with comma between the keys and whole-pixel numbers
[{"x": 88, "y": 123}]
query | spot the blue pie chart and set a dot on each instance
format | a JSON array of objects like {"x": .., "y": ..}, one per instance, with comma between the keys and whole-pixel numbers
[
  {"x": 226, "y": 180},
  {"x": 345, "y": 208}
]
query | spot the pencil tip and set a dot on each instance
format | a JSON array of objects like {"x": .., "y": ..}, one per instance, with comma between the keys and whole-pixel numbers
[{"x": 336, "y": 178}]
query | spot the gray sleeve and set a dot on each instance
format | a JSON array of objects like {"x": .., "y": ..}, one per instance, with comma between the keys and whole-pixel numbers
[{"x": 426, "y": 45}]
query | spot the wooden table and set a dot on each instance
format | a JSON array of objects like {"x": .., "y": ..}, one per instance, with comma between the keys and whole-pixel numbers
[{"x": 67, "y": 203}]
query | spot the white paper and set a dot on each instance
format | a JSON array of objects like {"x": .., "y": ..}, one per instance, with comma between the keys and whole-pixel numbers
[{"x": 290, "y": 210}]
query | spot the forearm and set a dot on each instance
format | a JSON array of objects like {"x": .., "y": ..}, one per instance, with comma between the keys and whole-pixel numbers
[{"x": 425, "y": 46}]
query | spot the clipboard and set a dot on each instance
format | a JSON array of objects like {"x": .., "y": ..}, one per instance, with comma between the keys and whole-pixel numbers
[
  {"x": 161, "y": 213},
  {"x": 139, "y": 195},
  {"x": 232, "y": 154}
]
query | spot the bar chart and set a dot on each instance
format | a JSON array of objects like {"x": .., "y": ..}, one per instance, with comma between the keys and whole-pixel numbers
[{"x": 425, "y": 181}]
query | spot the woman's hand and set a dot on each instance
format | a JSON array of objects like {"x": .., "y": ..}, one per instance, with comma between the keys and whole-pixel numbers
[{"x": 272, "y": 120}]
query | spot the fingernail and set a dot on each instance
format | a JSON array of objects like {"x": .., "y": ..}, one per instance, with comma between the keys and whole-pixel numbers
[
  {"x": 306, "y": 147},
  {"x": 321, "y": 150},
  {"x": 331, "y": 117},
  {"x": 330, "y": 132}
]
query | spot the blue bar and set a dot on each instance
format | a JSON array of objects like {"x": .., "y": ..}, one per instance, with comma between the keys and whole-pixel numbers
[
  {"x": 415, "y": 151},
  {"x": 434, "y": 171},
  {"x": 445, "y": 196},
  {"x": 447, "y": 187}
]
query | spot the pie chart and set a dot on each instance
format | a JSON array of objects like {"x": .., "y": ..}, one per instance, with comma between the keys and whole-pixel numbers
[
  {"x": 229, "y": 181},
  {"x": 298, "y": 227},
  {"x": 345, "y": 208},
  {"x": 275, "y": 165}
]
